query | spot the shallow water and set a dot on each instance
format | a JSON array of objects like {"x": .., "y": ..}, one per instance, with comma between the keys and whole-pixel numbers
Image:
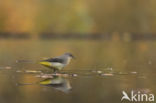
[{"x": 101, "y": 71}]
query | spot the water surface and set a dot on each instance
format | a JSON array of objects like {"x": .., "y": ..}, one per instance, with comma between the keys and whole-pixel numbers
[{"x": 101, "y": 71}]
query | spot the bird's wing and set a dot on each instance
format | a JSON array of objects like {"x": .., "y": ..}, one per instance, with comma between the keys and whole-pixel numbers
[{"x": 58, "y": 60}]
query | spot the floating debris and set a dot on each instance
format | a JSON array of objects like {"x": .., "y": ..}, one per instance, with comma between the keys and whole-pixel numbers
[
  {"x": 74, "y": 75},
  {"x": 8, "y": 67},
  {"x": 110, "y": 69},
  {"x": 55, "y": 74},
  {"x": 23, "y": 84},
  {"x": 94, "y": 71},
  {"x": 32, "y": 71},
  {"x": 133, "y": 72},
  {"x": 18, "y": 71},
  {"x": 24, "y": 61},
  {"x": 122, "y": 73},
  {"x": 99, "y": 72},
  {"x": 60, "y": 74},
  {"x": 45, "y": 76},
  {"x": 65, "y": 75},
  {"x": 107, "y": 74}
]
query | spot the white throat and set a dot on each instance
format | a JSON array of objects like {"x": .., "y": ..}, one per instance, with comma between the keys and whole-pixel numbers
[{"x": 68, "y": 60}]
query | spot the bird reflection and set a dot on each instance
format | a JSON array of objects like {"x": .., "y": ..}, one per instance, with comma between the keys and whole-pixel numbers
[{"x": 58, "y": 83}]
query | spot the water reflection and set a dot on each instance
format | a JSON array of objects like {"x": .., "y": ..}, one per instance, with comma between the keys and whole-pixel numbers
[
  {"x": 58, "y": 83},
  {"x": 104, "y": 67}
]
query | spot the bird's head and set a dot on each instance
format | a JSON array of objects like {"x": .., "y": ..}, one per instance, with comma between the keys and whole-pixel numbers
[{"x": 69, "y": 55}]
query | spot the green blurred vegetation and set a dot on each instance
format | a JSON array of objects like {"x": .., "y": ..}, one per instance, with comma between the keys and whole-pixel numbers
[{"x": 80, "y": 16}]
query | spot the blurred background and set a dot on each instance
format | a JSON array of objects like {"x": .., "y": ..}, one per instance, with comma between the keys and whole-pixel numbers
[
  {"x": 78, "y": 17},
  {"x": 113, "y": 42}
]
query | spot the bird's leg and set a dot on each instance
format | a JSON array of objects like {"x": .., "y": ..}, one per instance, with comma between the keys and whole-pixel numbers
[{"x": 55, "y": 71}]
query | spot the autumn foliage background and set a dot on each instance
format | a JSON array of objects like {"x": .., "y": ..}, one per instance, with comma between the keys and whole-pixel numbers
[{"x": 77, "y": 16}]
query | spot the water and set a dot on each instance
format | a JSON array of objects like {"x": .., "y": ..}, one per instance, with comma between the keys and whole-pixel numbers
[{"x": 101, "y": 71}]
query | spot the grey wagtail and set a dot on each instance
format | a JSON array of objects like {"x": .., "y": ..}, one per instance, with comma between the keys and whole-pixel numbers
[{"x": 58, "y": 63}]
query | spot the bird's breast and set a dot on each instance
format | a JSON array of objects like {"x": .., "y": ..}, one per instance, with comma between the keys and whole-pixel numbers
[
  {"x": 68, "y": 61},
  {"x": 58, "y": 65}
]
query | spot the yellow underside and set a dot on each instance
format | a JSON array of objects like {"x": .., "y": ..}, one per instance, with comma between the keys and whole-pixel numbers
[
  {"x": 46, "y": 82},
  {"x": 48, "y": 64}
]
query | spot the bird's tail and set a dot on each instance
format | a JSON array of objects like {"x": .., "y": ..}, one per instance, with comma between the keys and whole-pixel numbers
[
  {"x": 45, "y": 63},
  {"x": 46, "y": 82}
]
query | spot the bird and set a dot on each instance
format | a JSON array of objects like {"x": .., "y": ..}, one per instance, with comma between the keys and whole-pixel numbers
[{"x": 57, "y": 63}]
